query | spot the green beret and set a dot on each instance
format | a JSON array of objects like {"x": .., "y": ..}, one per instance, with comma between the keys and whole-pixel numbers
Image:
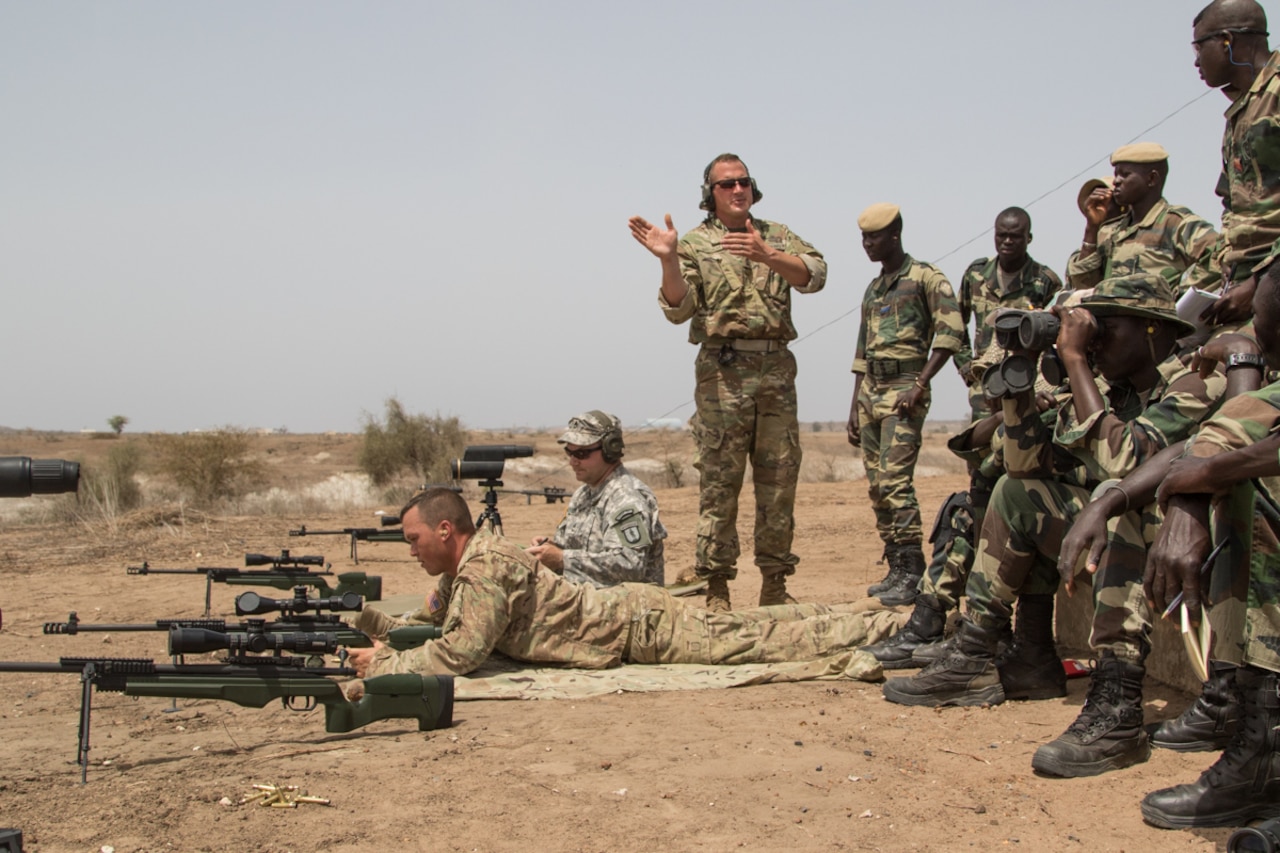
[
  {"x": 1139, "y": 152},
  {"x": 1142, "y": 295},
  {"x": 878, "y": 217}
]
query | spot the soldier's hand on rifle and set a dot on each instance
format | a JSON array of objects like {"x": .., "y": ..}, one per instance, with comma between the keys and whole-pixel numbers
[
  {"x": 662, "y": 243},
  {"x": 361, "y": 659}
]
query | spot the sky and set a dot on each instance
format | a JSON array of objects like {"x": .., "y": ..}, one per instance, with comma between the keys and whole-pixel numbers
[{"x": 280, "y": 214}]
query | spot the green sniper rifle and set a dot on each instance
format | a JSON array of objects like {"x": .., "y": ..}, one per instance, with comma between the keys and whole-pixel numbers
[{"x": 286, "y": 572}]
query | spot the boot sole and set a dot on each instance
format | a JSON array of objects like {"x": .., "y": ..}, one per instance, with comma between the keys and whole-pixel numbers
[
  {"x": 889, "y": 601},
  {"x": 993, "y": 695},
  {"x": 1053, "y": 767},
  {"x": 1239, "y": 817},
  {"x": 1037, "y": 694},
  {"x": 1191, "y": 746}
]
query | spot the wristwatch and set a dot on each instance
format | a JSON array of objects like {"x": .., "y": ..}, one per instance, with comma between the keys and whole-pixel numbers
[{"x": 1246, "y": 359}]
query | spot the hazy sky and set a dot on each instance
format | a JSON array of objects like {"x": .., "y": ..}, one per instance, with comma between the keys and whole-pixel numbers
[{"x": 281, "y": 213}]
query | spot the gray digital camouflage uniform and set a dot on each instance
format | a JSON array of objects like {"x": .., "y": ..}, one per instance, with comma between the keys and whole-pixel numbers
[
  {"x": 905, "y": 315},
  {"x": 611, "y": 533},
  {"x": 502, "y": 600},
  {"x": 739, "y": 312}
]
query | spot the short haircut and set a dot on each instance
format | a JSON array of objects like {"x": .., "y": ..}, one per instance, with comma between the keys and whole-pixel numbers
[
  {"x": 722, "y": 158},
  {"x": 1015, "y": 213},
  {"x": 436, "y": 505}
]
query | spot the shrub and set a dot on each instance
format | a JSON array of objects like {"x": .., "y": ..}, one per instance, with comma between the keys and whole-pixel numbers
[
  {"x": 117, "y": 423},
  {"x": 209, "y": 466},
  {"x": 114, "y": 486},
  {"x": 419, "y": 444}
]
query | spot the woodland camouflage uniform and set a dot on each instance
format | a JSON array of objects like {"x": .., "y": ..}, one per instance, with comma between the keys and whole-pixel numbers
[
  {"x": 740, "y": 314},
  {"x": 905, "y": 315}
]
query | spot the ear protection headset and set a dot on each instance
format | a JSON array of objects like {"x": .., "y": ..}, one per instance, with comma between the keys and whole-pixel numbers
[
  {"x": 611, "y": 442},
  {"x": 708, "y": 197}
]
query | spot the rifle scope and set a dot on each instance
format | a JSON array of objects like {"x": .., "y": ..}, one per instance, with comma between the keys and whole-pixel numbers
[
  {"x": 22, "y": 476},
  {"x": 196, "y": 641},
  {"x": 252, "y": 604},
  {"x": 285, "y": 559}
]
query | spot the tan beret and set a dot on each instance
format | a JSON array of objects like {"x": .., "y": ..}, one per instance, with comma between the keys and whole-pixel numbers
[
  {"x": 1139, "y": 152},
  {"x": 1087, "y": 190},
  {"x": 878, "y": 217}
]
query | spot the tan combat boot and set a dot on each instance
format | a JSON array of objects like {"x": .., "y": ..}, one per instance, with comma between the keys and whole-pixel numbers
[
  {"x": 718, "y": 594},
  {"x": 773, "y": 590}
]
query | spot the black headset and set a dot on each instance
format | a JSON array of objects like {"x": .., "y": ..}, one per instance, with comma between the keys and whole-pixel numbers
[
  {"x": 708, "y": 198},
  {"x": 611, "y": 441}
]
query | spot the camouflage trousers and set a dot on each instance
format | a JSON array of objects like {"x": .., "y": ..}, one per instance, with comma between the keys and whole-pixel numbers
[
  {"x": 954, "y": 550},
  {"x": 1245, "y": 585},
  {"x": 666, "y": 630},
  {"x": 890, "y": 449},
  {"x": 746, "y": 411},
  {"x": 1021, "y": 538}
]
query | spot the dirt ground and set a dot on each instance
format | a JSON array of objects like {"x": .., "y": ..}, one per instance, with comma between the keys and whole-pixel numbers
[{"x": 824, "y": 765}]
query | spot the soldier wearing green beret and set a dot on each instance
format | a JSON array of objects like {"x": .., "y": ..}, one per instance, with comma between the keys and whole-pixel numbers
[
  {"x": 731, "y": 278},
  {"x": 910, "y": 327}
]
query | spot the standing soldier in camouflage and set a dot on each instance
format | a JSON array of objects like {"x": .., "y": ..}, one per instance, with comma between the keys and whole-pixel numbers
[
  {"x": 732, "y": 276},
  {"x": 610, "y": 533},
  {"x": 1230, "y": 42},
  {"x": 1151, "y": 398},
  {"x": 1012, "y": 279},
  {"x": 1150, "y": 235},
  {"x": 503, "y": 600},
  {"x": 910, "y": 327},
  {"x": 1233, "y": 461}
]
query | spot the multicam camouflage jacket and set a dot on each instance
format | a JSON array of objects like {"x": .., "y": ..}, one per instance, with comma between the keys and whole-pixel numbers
[
  {"x": 1170, "y": 241},
  {"x": 611, "y": 533},
  {"x": 1131, "y": 428},
  {"x": 503, "y": 600},
  {"x": 1250, "y": 182},
  {"x": 908, "y": 313},
  {"x": 732, "y": 297},
  {"x": 981, "y": 294}
]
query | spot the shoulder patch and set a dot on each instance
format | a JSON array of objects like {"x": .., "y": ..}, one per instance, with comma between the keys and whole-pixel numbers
[
  {"x": 945, "y": 288},
  {"x": 631, "y": 529}
]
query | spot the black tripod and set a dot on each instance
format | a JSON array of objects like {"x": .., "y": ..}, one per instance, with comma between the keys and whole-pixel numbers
[{"x": 490, "y": 515}]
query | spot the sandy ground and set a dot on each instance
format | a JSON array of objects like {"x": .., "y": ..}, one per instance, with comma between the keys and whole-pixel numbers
[{"x": 828, "y": 766}]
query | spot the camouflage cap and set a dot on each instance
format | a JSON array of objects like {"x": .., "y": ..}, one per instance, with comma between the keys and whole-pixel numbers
[
  {"x": 589, "y": 428},
  {"x": 1142, "y": 295},
  {"x": 878, "y": 217},
  {"x": 1088, "y": 187},
  {"x": 1139, "y": 152}
]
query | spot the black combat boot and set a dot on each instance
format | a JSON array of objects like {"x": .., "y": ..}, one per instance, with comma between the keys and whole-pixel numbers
[
  {"x": 891, "y": 578},
  {"x": 906, "y": 586},
  {"x": 966, "y": 676},
  {"x": 940, "y": 648},
  {"x": 926, "y": 624},
  {"x": 1032, "y": 669},
  {"x": 1108, "y": 734},
  {"x": 1244, "y": 784},
  {"x": 1208, "y": 724}
]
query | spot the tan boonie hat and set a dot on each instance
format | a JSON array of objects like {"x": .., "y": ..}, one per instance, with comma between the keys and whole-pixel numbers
[
  {"x": 1088, "y": 187},
  {"x": 1139, "y": 152},
  {"x": 589, "y": 428},
  {"x": 878, "y": 217},
  {"x": 1142, "y": 295}
]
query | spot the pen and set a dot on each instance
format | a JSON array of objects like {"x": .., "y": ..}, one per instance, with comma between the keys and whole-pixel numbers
[{"x": 1208, "y": 566}]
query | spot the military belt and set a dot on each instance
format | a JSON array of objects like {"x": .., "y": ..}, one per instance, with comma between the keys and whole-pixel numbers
[
  {"x": 747, "y": 344},
  {"x": 883, "y": 368}
]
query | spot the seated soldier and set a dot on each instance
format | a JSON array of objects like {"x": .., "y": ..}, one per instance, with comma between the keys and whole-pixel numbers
[
  {"x": 610, "y": 533},
  {"x": 1101, "y": 430},
  {"x": 503, "y": 600}
]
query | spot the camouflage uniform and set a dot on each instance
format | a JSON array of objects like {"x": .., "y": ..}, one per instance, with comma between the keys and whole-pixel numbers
[
  {"x": 611, "y": 533},
  {"x": 905, "y": 314},
  {"x": 1169, "y": 241},
  {"x": 1053, "y": 463},
  {"x": 1242, "y": 421},
  {"x": 1250, "y": 182},
  {"x": 505, "y": 601},
  {"x": 981, "y": 295},
  {"x": 745, "y": 393}
]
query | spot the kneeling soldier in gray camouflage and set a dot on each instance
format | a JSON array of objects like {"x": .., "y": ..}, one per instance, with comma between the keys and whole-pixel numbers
[
  {"x": 611, "y": 533},
  {"x": 503, "y": 600}
]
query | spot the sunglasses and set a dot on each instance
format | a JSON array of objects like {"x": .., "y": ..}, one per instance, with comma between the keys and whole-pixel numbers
[
  {"x": 730, "y": 183},
  {"x": 582, "y": 452}
]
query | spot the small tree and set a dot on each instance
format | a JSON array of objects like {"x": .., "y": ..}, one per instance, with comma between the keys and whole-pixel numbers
[
  {"x": 420, "y": 444},
  {"x": 117, "y": 423},
  {"x": 210, "y": 466}
]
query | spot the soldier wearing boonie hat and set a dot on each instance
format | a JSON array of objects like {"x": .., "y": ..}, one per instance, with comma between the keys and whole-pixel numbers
[
  {"x": 611, "y": 532},
  {"x": 910, "y": 328},
  {"x": 1133, "y": 229}
]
